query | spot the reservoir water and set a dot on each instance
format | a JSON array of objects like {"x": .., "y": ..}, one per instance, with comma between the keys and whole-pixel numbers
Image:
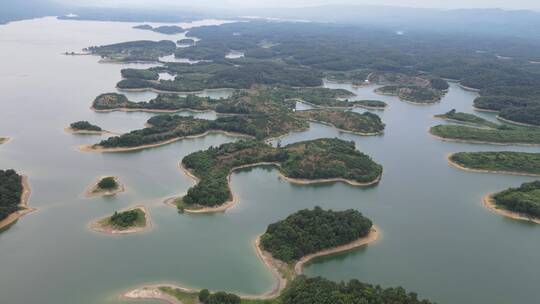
[{"x": 437, "y": 238}]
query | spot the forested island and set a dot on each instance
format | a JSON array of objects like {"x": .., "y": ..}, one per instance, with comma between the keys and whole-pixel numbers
[
  {"x": 14, "y": 195},
  {"x": 132, "y": 220},
  {"x": 84, "y": 127},
  {"x": 4, "y": 140},
  {"x": 521, "y": 203},
  {"x": 520, "y": 163},
  {"x": 105, "y": 186},
  {"x": 309, "y": 231},
  {"x": 364, "y": 124},
  {"x": 336, "y": 160}
]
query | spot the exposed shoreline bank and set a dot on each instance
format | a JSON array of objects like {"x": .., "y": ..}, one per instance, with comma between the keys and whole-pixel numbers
[
  {"x": 153, "y": 292},
  {"x": 232, "y": 202},
  {"x": 23, "y": 204},
  {"x": 490, "y": 204}
]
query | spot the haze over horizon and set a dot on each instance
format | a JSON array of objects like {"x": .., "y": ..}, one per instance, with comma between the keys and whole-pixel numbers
[{"x": 233, "y": 4}]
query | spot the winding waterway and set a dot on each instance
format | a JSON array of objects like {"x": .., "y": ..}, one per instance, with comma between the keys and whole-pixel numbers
[{"x": 437, "y": 238}]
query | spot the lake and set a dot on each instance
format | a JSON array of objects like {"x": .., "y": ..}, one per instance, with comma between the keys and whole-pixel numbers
[{"x": 437, "y": 238}]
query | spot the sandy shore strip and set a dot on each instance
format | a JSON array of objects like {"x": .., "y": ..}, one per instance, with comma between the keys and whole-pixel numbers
[
  {"x": 25, "y": 196},
  {"x": 99, "y": 149},
  {"x": 94, "y": 191},
  {"x": 458, "y": 166},
  {"x": 70, "y": 130},
  {"x": 466, "y": 141},
  {"x": 97, "y": 224},
  {"x": 273, "y": 265},
  {"x": 489, "y": 203},
  {"x": 232, "y": 202}
]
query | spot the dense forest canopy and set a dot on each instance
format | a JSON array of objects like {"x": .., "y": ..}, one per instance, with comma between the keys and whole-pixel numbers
[
  {"x": 128, "y": 218},
  {"x": 85, "y": 126},
  {"x": 11, "y": 189},
  {"x": 310, "y": 231}
]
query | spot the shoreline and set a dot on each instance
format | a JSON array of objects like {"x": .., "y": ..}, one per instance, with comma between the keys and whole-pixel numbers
[
  {"x": 4, "y": 140},
  {"x": 234, "y": 200},
  {"x": 93, "y": 191},
  {"x": 23, "y": 204},
  {"x": 516, "y": 122},
  {"x": 465, "y": 123},
  {"x": 99, "y": 149},
  {"x": 152, "y": 291},
  {"x": 466, "y": 88},
  {"x": 490, "y": 204},
  {"x": 458, "y": 166},
  {"x": 96, "y": 225},
  {"x": 467, "y": 141}
]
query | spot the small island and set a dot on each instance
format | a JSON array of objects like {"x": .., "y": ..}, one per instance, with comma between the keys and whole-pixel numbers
[
  {"x": 346, "y": 121},
  {"x": 105, "y": 186},
  {"x": 412, "y": 94},
  {"x": 129, "y": 221},
  {"x": 370, "y": 104},
  {"x": 337, "y": 161},
  {"x": 186, "y": 41},
  {"x": 522, "y": 203},
  {"x": 420, "y": 89},
  {"x": 85, "y": 128},
  {"x": 519, "y": 163},
  {"x": 14, "y": 195},
  {"x": 4, "y": 140}
]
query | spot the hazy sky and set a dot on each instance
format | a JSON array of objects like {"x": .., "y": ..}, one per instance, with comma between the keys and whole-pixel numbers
[{"x": 507, "y": 4}]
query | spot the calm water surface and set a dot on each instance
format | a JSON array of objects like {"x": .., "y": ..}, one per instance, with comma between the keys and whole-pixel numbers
[{"x": 437, "y": 238}]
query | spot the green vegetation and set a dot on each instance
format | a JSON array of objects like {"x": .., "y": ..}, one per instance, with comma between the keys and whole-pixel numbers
[
  {"x": 165, "y": 29},
  {"x": 524, "y": 199},
  {"x": 310, "y": 231},
  {"x": 356, "y": 77},
  {"x": 367, "y": 123},
  {"x": 467, "y": 119},
  {"x": 84, "y": 126},
  {"x": 334, "y": 158},
  {"x": 107, "y": 183},
  {"x": 415, "y": 94},
  {"x": 126, "y": 219},
  {"x": 114, "y": 101},
  {"x": 370, "y": 104},
  {"x": 304, "y": 290},
  {"x": 11, "y": 190},
  {"x": 205, "y": 297},
  {"x": 186, "y": 41},
  {"x": 141, "y": 50},
  {"x": 208, "y": 75},
  {"x": 511, "y": 162},
  {"x": 503, "y": 134},
  {"x": 145, "y": 74}
]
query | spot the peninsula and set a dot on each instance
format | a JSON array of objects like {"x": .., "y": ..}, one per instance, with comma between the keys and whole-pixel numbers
[
  {"x": 337, "y": 160},
  {"x": 519, "y": 163},
  {"x": 522, "y": 203}
]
